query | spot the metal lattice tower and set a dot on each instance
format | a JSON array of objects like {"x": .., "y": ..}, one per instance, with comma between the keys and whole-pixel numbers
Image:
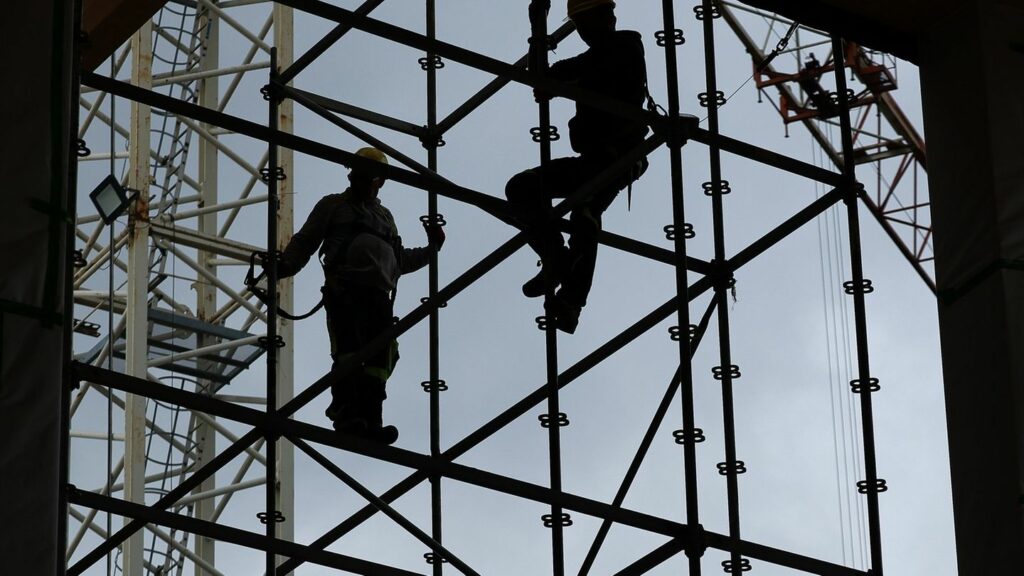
[{"x": 163, "y": 366}]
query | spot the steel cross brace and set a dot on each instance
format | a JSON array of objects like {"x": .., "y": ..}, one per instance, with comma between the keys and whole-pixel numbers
[
  {"x": 427, "y": 466},
  {"x": 433, "y": 183},
  {"x": 414, "y": 317},
  {"x": 481, "y": 434},
  {"x": 466, "y": 444},
  {"x": 556, "y": 88},
  {"x": 752, "y": 251},
  {"x": 229, "y": 534}
]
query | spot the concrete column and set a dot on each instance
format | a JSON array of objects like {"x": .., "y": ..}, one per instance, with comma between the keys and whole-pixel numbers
[
  {"x": 34, "y": 315},
  {"x": 971, "y": 75}
]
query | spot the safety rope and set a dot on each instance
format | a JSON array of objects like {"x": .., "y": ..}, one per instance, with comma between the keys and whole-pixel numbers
[{"x": 252, "y": 281}]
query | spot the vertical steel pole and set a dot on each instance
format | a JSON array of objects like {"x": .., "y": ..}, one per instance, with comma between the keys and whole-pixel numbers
[
  {"x": 206, "y": 294},
  {"x": 726, "y": 372},
  {"x": 138, "y": 291},
  {"x": 285, "y": 486},
  {"x": 558, "y": 519},
  {"x": 431, "y": 65},
  {"x": 690, "y": 435},
  {"x": 864, "y": 385},
  {"x": 68, "y": 304},
  {"x": 270, "y": 515}
]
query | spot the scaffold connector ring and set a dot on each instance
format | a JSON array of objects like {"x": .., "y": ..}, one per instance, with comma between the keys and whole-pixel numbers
[{"x": 736, "y": 568}]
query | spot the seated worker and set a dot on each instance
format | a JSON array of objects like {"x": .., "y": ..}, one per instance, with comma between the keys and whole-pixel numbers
[
  {"x": 362, "y": 257},
  {"x": 613, "y": 66}
]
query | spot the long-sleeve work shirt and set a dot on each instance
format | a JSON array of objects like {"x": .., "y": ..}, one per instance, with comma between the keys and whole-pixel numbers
[
  {"x": 615, "y": 68},
  {"x": 358, "y": 243}
]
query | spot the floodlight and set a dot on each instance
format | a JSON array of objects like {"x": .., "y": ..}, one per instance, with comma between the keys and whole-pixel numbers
[{"x": 110, "y": 199}]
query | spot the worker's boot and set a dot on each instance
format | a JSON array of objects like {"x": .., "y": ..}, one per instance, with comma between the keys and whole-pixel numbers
[
  {"x": 365, "y": 415},
  {"x": 550, "y": 275},
  {"x": 349, "y": 419},
  {"x": 375, "y": 431},
  {"x": 566, "y": 314}
]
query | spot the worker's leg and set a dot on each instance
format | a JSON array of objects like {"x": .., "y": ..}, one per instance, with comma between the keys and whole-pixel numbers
[
  {"x": 345, "y": 328},
  {"x": 369, "y": 388},
  {"x": 586, "y": 224},
  {"x": 530, "y": 194}
]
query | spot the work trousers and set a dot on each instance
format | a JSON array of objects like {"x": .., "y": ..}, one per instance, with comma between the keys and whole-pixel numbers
[
  {"x": 530, "y": 193},
  {"x": 355, "y": 316}
]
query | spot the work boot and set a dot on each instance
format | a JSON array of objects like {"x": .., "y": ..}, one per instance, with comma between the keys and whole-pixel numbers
[
  {"x": 386, "y": 435},
  {"x": 550, "y": 275},
  {"x": 347, "y": 419},
  {"x": 566, "y": 315},
  {"x": 371, "y": 417}
]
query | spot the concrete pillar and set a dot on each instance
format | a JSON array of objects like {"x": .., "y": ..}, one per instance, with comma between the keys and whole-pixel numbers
[
  {"x": 35, "y": 317},
  {"x": 972, "y": 75}
]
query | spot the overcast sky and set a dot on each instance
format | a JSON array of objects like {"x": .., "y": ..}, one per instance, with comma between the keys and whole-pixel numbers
[{"x": 792, "y": 403}]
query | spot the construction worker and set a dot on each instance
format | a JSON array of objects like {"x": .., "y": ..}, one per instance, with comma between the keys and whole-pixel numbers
[
  {"x": 613, "y": 66},
  {"x": 362, "y": 257}
]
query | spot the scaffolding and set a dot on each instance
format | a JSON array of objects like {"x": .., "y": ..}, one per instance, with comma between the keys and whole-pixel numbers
[{"x": 195, "y": 388}]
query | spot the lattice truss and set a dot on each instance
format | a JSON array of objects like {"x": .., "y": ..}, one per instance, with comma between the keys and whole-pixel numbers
[{"x": 164, "y": 324}]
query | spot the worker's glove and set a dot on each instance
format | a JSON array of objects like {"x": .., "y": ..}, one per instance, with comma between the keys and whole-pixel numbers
[{"x": 435, "y": 235}]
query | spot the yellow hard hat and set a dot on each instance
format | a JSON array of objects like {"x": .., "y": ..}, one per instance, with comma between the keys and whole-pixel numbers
[
  {"x": 371, "y": 153},
  {"x": 575, "y": 7}
]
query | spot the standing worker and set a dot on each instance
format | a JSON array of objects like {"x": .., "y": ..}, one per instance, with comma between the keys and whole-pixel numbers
[
  {"x": 612, "y": 66},
  {"x": 362, "y": 257}
]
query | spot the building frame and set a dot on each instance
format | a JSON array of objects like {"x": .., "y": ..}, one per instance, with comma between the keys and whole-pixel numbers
[{"x": 275, "y": 427}]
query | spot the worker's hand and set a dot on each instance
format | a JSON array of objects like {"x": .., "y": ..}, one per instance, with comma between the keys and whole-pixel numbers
[{"x": 435, "y": 235}]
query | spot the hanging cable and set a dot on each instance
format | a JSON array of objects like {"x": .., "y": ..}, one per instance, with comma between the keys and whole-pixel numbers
[
  {"x": 110, "y": 321},
  {"x": 831, "y": 384}
]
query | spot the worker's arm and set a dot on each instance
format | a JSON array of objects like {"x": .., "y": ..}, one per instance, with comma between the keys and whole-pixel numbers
[
  {"x": 306, "y": 241},
  {"x": 568, "y": 70},
  {"x": 412, "y": 259}
]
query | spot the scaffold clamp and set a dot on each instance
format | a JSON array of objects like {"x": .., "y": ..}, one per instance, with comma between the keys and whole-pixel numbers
[
  {"x": 878, "y": 486},
  {"x": 701, "y": 14},
  {"x": 858, "y": 386},
  {"x": 438, "y": 385},
  {"x": 675, "y": 131},
  {"x": 862, "y": 287},
  {"x": 731, "y": 468},
  {"x": 432, "y": 62},
  {"x": 432, "y": 558},
  {"x": 561, "y": 419},
  {"x": 694, "y": 436},
  {"x": 431, "y": 140},
  {"x": 663, "y": 37},
  {"x": 276, "y": 517},
  {"x": 736, "y": 568},
  {"x": 688, "y": 231},
  {"x": 720, "y": 372},
  {"x": 549, "y": 520},
  {"x": 266, "y": 174},
  {"x": 721, "y": 187},
  {"x": 705, "y": 99},
  {"x": 697, "y": 542},
  {"x": 540, "y": 134}
]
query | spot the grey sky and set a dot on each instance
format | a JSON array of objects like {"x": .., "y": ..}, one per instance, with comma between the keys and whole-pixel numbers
[{"x": 492, "y": 354}]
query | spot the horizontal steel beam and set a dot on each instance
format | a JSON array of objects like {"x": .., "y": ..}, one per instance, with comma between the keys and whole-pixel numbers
[
  {"x": 554, "y": 87},
  {"x": 365, "y": 115},
  {"x": 183, "y": 236},
  {"x": 230, "y": 535},
  {"x": 265, "y": 423}
]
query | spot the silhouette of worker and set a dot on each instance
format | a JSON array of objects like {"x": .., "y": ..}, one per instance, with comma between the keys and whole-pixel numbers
[
  {"x": 362, "y": 257},
  {"x": 816, "y": 94},
  {"x": 613, "y": 66}
]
